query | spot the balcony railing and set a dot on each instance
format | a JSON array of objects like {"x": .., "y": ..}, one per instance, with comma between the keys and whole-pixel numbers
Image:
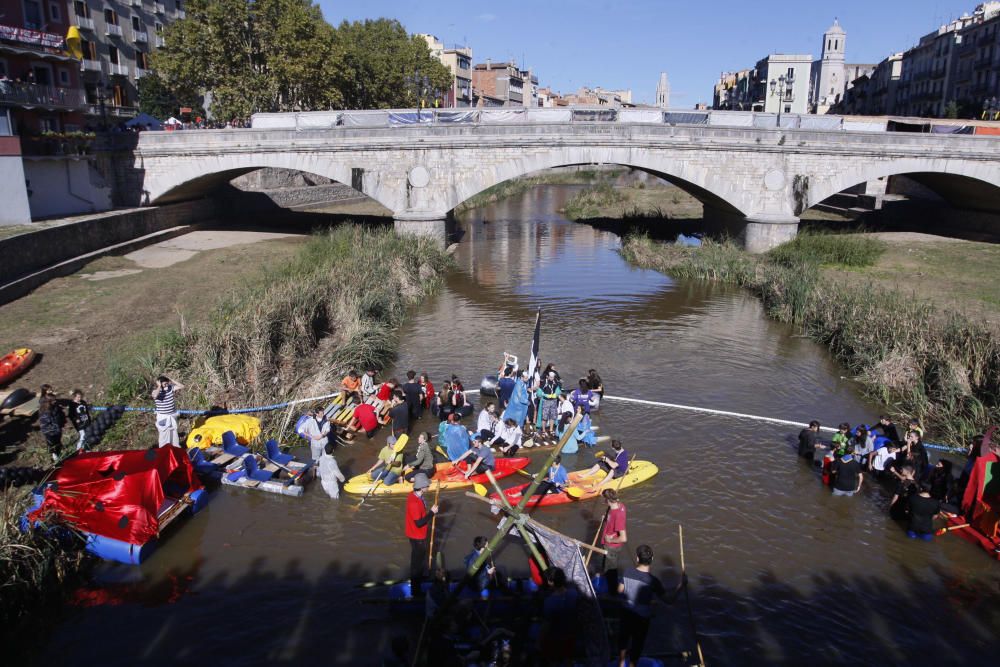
[
  {"x": 92, "y": 66},
  {"x": 111, "y": 110},
  {"x": 159, "y": 8},
  {"x": 56, "y": 144},
  {"x": 140, "y": 36},
  {"x": 113, "y": 30},
  {"x": 84, "y": 23},
  {"x": 159, "y": 41},
  {"x": 117, "y": 70},
  {"x": 139, "y": 73},
  {"x": 29, "y": 94},
  {"x": 38, "y": 39}
]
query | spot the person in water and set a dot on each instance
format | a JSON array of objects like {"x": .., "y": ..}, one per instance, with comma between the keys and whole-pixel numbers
[
  {"x": 923, "y": 510},
  {"x": 846, "y": 471},
  {"x": 329, "y": 472},
  {"x": 807, "y": 441},
  {"x": 555, "y": 479},
  {"x": 581, "y": 397},
  {"x": 596, "y": 385},
  {"x": 615, "y": 465}
]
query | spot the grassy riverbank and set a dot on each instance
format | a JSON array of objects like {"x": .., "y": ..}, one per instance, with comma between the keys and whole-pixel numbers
[
  {"x": 922, "y": 360},
  {"x": 517, "y": 186}
]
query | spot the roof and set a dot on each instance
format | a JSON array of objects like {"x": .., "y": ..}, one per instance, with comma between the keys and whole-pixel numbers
[{"x": 835, "y": 29}]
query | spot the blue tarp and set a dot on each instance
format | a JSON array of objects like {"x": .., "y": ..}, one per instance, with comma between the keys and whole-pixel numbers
[
  {"x": 410, "y": 117},
  {"x": 457, "y": 116},
  {"x": 517, "y": 409},
  {"x": 456, "y": 440}
]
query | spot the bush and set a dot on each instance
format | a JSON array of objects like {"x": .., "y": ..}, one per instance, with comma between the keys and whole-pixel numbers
[{"x": 829, "y": 249}]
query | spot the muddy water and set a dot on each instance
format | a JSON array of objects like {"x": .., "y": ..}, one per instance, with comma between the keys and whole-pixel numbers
[{"x": 780, "y": 571}]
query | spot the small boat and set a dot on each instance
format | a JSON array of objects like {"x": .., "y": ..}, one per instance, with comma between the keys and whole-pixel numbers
[
  {"x": 15, "y": 363},
  {"x": 18, "y": 402},
  {"x": 275, "y": 472},
  {"x": 120, "y": 501},
  {"x": 638, "y": 471},
  {"x": 447, "y": 474}
]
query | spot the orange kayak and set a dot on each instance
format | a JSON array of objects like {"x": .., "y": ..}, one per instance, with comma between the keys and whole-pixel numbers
[{"x": 15, "y": 363}]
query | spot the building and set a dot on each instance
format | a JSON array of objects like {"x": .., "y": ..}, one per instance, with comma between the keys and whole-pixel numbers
[
  {"x": 499, "y": 81},
  {"x": 732, "y": 91},
  {"x": 752, "y": 89},
  {"x": 118, "y": 38},
  {"x": 663, "y": 92},
  {"x": 459, "y": 61},
  {"x": 832, "y": 76},
  {"x": 952, "y": 71}
]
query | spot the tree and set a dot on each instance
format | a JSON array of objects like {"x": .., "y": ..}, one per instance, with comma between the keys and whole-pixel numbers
[
  {"x": 162, "y": 101},
  {"x": 382, "y": 66},
  {"x": 951, "y": 110},
  {"x": 252, "y": 55}
]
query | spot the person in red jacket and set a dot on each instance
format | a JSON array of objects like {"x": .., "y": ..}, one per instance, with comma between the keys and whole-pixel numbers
[
  {"x": 365, "y": 414},
  {"x": 417, "y": 520}
]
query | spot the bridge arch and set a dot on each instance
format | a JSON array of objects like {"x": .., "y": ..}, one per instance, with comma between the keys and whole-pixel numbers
[
  {"x": 203, "y": 175},
  {"x": 711, "y": 186}
]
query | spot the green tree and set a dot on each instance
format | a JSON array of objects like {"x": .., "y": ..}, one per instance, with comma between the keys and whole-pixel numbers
[
  {"x": 162, "y": 101},
  {"x": 951, "y": 110},
  {"x": 381, "y": 66},
  {"x": 252, "y": 55}
]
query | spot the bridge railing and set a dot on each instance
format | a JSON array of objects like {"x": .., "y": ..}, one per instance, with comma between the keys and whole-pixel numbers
[{"x": 323, "y": 120}]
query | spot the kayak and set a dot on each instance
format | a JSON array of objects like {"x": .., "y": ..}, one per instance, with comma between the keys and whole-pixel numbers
[
  {"x": 15, "y": 363},
  {"x": 638, "y": 471},
  {"x": 449, "y": 476}
]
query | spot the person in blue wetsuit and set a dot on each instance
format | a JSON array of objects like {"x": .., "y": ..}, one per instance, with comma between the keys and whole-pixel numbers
[
  {"x": 556, "y": 479},
  {"x": 573, "y": 444},
  {"x": 456, "y": 438}
]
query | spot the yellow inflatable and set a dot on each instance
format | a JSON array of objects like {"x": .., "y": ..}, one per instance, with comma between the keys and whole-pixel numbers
[{"x": 244, "y": 427}]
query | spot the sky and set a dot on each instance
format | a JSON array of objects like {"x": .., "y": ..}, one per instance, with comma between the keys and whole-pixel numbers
[{"x": 627, "y": 43}]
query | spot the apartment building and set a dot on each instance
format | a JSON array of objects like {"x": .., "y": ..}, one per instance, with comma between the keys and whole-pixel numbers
[
  {"x": 118, "y": 37},
  {"x": 501, "y": 81},
  {"x": 459, "y": 61}
]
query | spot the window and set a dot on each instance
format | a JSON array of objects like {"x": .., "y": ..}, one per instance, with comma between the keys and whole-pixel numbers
[
  {"x": 43, "y": 74},
  {"x": 118, "y": 97},
  {"x": 790, "y": 74},
  {"x": 55, "y": 12},
  {"x": 788, "y": 108},
  {"x": 179, "y": 8},
  {"x": 63, "y": 77},
  {"x": 33, "y": 17},
  {"x": 136, "y": 24},
  {"x": 81, "y": 8},
  {"x": 48, "y": 124},
  {"x": 836, "y": 44},
  {"x": 89, "y": 49},
  {"x": 110, "y": 17},
  {"x": 113, "y": 55},
  {"x": 142, "y": 60},
  {"x": 158, "y": 28}
]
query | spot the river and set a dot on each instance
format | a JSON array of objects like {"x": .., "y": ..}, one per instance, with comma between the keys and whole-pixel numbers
[{"x": 780, "y": 571}]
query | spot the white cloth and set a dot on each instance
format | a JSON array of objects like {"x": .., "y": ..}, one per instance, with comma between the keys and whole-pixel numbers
[
  {"x": 330, "y": 475},
  {"x": 166, "y": 428},
  {"x": 367, "y": 385},
  {"x": 313, "y": 428}
]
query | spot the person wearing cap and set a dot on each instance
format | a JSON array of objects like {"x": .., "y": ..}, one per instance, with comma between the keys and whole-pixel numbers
[
  {"x": 484, "y": 459},
  {"x": 316, "y": 431},
  {"x": 423, "y": 462},
  {"x": 389, "y": 464},
  {"x": 417, "y": 519}
]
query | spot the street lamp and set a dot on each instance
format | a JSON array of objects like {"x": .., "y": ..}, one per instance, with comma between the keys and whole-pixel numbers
[{"x": 782, "y": 88}]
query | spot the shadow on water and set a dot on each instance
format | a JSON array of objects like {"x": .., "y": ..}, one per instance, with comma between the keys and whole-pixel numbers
[{"x": 285, "y": 615}]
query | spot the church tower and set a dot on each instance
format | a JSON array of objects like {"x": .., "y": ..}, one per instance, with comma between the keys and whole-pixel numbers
[
  {"x": 663, "y": 92},
  {"x": 829, "y": 71}
]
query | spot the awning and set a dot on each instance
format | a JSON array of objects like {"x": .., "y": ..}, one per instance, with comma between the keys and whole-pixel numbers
[{"x": 35, "y": 53}]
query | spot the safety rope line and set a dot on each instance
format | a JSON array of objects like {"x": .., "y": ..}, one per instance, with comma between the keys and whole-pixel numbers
[
  {"x": 236, "y": 411},
  {"x": 741, "y": 415}
]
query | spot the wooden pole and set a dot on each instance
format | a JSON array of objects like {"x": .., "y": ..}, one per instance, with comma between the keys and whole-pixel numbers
[
  {"x": 687, "y": 598},
  {"x": 597, "y": 535},
  {"x": 430, "y": 551}
]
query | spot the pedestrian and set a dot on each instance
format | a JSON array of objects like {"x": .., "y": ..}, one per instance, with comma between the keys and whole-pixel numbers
[
  {"x": 807, "y": 441},
  {"x": 164, "y": 395},
  {"x": 847, "y": 475},
  {"x": 484, "y": 576},
  {"x": 413, "y": 393},
  {"x": 50, "y": 420},
  {"x": 389, "y": 465},
  {"x": 613, "y": 537},
  {"x": 581, "y": 397},
  {"x": 329, "y": 472},
  {"x": 399, "y": 412},
  {"x": 316, "y": 431},
  {"x": 638, "y": 587},
  {"x": 923, "y": 510},
  {"x": 549, "y": 390},
  {"x": 417, "y": 518},
  {"x": 423, "y": 461},
  {"x": 79, "y": 416}
]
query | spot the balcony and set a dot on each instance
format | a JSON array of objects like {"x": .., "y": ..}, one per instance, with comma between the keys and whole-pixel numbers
[
  {"x": 112, "y": 30},
  {"x": 33, "y": 95},
  {"x": 58, "y": 144},
  {"x": 139, "y": 72},
  {"x": 115, "y": 69},
  {"x": 159, "y": 8},
  {"x": 181, "y": 14},
  {"x": 111, "y": 110},
  {"x": 159, "y": 41},
  {"x": 92, "y": 66},
  {"x": 85, "y": 23},
  {"x": 140, "y": 37}
]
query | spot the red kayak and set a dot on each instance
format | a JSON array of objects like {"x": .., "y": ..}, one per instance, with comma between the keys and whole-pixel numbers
[{"x": 15, "y": 363}]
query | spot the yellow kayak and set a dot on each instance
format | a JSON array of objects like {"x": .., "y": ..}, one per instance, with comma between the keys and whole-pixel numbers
[
  {"x": 638, "y": 472},
  {"x": 449, "y": 476}
]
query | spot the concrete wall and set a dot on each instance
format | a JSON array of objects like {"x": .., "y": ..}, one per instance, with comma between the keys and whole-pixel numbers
[
  {"x": 64, "y": 186},
  {"x": 15, "y": 209}
]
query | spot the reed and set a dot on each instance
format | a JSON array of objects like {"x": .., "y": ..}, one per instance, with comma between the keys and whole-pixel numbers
[
  {"x": 935, "y": 365},
  {"x": 591, "y": 202},
  {"x": 829, "y": 249}
]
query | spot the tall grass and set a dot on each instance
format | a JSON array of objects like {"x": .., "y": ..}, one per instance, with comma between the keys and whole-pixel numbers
[
  {"x": 518, "y": 186},
  {"x": 826, "y": 249},
  {"x": 937, "y": 366},
  {"x": 592, "y": 201}
]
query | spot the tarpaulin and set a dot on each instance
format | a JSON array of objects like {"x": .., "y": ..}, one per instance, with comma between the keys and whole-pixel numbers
[
  {"x": 865, "y": 125},
  {"x": 900, "y": 126},
  {"x": 811, "y": 122},
  {"x": 273, "y": 121},
  {"x": 365, "y": 119},
  {"x": 503, "y": 116},
  {"x": 456, "y": 440},
  {"x": 550, "y": 115},
  {"x": 565, "y": 555},
  {"x": 790, "y": 121},
  {"x": 317, "y": 120},
  {"x": 604, "y": 115},
  {"x": 244, "y": 427},
  {"x": 731, "y": 118},
  {"x": 765, "y": 121},
  {"x": 517, "y": 409},
  {"x": 410, "y": 117},
  {"x": 640, "y": 116},
  {"x": 685, "y": 118},
  {"x": 982, "y": 129},
  {"x": 951, "y": 129},
  {"x": 118, "y": 494},
  {"x": 457, "y": 116}
]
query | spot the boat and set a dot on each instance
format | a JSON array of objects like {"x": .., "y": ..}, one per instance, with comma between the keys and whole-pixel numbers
[
  {"x": 982, "y": 499},
  {"x": 638, "y": 472},
  {"x": 18, "y": 402},
  {"x": 447, "y": 474},
  {"x": 15, "y": 363},
  {"x": 274, "y": 472},
  {"x": 120, "y": 501}
]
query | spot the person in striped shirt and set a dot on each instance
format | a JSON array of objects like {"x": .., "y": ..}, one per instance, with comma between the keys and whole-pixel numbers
[{"x": 164, "y": 396}]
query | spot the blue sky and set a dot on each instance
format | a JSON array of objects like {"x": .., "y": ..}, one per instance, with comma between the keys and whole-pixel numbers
[{"x": 626, "y": 43}]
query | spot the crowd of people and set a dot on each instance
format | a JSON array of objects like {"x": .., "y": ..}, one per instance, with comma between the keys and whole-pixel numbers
[{"x": 921, "y": 492}]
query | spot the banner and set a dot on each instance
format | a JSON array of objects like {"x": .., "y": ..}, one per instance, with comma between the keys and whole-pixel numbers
[
  {"x": 457, "y": 116},
  {"x": 25, "y": 36}
]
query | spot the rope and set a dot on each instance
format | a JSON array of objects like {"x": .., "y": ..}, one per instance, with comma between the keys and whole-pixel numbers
[
  {"x": 741, "y": 415},
  {"x": 237, "y": 411}
]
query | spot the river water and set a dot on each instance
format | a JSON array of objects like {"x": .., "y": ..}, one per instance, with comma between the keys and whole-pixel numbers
[{"x": 780, "y": 571}]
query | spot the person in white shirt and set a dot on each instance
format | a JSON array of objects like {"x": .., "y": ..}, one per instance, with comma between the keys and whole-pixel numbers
[
  {"x": 487, "y": 422},
  {"x": 316, "y": 431},
  {"x": 368, "y": 387},
  {"x": 508, "y": 438},
  {"x": 881, "y": 458},
  {"x": 329, "y": 472}
]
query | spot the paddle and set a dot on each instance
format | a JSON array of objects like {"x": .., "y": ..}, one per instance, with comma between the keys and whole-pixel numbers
[
  {"x": 948, "y": 529},
  {"x": 430, "y": 551},
  {"x": 378, "y": 483},
  {"x": 687, "y": 598}
]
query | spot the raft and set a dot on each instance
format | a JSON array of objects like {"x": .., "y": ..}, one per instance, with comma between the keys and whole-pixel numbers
[
  {"x": 541, "y": 440},
  {"x": 15, "y": 363},
  {"x": 287, "y": 479},
  {"x": 449, "y": 476},
  {"x": 638, "y": 472}
]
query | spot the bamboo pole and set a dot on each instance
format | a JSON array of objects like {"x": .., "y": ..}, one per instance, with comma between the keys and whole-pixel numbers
[
  {"x": 687, "y": 598},
  {"x": 430, "y": 550}
]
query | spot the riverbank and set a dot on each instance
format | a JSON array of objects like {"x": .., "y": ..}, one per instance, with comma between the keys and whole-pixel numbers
[
  {"x": 924, "y": 359},
  {"x": 560, "y": 176}
]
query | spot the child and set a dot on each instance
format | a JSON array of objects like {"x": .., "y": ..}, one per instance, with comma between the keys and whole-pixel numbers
[{"x": 79, "y": 415}]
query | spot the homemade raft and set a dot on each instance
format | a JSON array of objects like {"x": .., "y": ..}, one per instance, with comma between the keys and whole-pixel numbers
[{"x": 273, "y": 473}]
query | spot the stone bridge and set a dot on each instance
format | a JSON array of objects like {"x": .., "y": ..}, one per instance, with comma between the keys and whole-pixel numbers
[{"x": 756, "y": 181}]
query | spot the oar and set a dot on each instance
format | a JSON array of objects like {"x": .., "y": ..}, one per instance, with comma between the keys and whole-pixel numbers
[
  {"x": 942, "y": 531},
  {"x": 378, "y": 483},
  {"x": 687, "y": 598},
  {"x": 430, "y": 551}
]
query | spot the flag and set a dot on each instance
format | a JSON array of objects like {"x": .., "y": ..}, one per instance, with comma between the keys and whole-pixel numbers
[{"x": 533, "y": 359}]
